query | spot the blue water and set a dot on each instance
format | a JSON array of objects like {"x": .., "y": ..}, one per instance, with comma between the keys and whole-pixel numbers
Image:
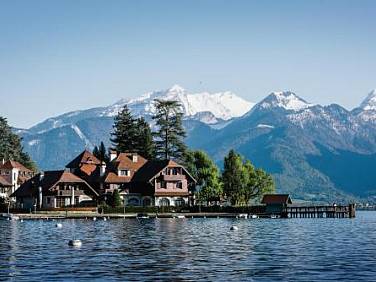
[{"x": 191, "y": 250}]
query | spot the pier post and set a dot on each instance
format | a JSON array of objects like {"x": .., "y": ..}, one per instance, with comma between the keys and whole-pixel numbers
[{"x": 352, "y": 210}]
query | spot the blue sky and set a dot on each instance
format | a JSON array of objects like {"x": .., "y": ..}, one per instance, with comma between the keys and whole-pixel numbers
[{"x": 58, "y": 56}]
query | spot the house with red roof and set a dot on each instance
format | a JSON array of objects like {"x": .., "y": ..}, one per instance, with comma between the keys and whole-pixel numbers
[
  {"x": 141, "y": 182},
  {"x": 12, "y": 175},
  {"x": 54, "y": 189}
]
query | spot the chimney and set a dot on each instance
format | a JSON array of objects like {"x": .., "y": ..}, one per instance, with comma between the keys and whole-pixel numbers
[
  {"x": 113, "y": 155},
  {"x": 134, "y": 158},
  {"x": 102, "y": 169}
]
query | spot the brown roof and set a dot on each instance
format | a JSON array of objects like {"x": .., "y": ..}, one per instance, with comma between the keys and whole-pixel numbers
[
  {"x": 116, "y": 179},
  {"x": 276, "y": 199},
  {"x": 85, "y": 157},
  {"x": 13, "y": 164},
  {"x": 124, "y": 161},
  {"x": 154, "y": 167},
  {"x": 4, "y": 182},
  {"x": 49, "y": 180}
]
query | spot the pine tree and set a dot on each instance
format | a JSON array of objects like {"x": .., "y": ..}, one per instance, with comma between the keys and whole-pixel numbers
[
  {"x": 11, "y": 148},
  {"x": 116, "y": 199},
  {"x": 144, "y": 139},
  {"x": 125, "y": 131},
  {"x": 101, "y": 153},
  {"x": 170, "y": 132}
]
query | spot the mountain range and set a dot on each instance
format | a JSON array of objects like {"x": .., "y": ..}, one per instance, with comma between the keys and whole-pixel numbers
[{"x": 314, "y": 152}]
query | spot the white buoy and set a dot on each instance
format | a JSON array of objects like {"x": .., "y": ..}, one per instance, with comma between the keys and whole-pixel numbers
[
  {"x": 59, "y": 225},
  {"x": 104, "y": 219},
  {"x": 234, "y": 228},
  {"x": 75, "y": 243},
  {"x": 94, "y": 218},
  {"x": 21, "y": 220}
]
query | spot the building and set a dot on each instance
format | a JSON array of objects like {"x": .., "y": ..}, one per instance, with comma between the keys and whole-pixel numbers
[
  {"x": 276, "y": 203},
  {"x": 139, "y": 181},
  {"x": 5, "y": 188},
  {"x": 161, "y": 183},
  {"x": 13, "y": 173},
  {"x": 54, "y": 189}
]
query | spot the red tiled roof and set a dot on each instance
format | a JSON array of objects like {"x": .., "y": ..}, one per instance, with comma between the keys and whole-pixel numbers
[
  {"x": 276, "y": 199},
  {"x": 13, "y": 164},
  {"x": 85, "y": 157},
  {"x": 124, "y": 161},
  {"x": 49, "y": 180},
  {"x": 116, "y": 179}
]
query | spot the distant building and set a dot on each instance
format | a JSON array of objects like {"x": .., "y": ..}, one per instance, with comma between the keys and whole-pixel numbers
[
  {"x": 54, "y": 189},
  {"x": 13, "y": 173},
  {"x": 276, "y": 203}
]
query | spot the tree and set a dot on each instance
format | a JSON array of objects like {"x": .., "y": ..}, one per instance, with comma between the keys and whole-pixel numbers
[
  {"x": 207, "y": 176},
  {"x": 233, "y": 177},
  {"x": 170, "y": 132},
  {"x": 116, "y": 199},
  {"x": 144, "y": 139},
  {"x": 11, "y": 148},
  {"x": 125, "y": 131},
  {"x": 243, "y": 182},
  {"x": 101, "y": 153}
]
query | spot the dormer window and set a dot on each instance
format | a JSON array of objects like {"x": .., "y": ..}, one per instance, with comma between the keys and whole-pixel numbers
[
  {"x": 124, "y": 172},
  {"x": 134, "y": 158}
]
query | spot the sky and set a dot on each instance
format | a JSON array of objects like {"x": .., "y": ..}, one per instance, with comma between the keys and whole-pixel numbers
[{"x": 59, "y": 56}]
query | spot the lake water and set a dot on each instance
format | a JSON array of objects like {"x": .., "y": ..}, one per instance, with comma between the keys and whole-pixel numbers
[{"x": 191, "y": 250}]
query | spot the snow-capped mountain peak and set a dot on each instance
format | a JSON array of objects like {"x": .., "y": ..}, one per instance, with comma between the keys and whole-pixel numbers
[
  {"x": 223, "y": 105},
  {"x": 369, "y": 103},
  {"x": 286, "y": 100}
]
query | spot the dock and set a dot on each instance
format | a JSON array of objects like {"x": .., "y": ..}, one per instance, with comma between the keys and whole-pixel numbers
[{"x": 334, "y": 211}]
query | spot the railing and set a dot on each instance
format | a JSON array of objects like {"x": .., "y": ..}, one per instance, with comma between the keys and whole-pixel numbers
[{"x": 173, "y": 177}]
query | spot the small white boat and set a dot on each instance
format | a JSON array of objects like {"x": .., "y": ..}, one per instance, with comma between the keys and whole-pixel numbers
[
  {"x": 254, "y": 216},
  {"x": 243, "y": 215},
  {"x": 75, "y": 243},
  {"x": 9, "y": 216},
  {"x": 234, "y": 228},
  {"x": 180, "y": 216},
  {"x": 274, "y": 216},
  {"x": 143, "y": 216}
]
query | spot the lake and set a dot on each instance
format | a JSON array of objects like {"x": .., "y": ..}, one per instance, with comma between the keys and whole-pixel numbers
[{"x": 190, "y": 250}]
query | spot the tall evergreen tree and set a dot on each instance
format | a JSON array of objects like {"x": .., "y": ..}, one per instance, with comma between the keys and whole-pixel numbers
[
  {"x": 170, "y": 132},
  {"x": 233, "y": 177},
  {"x": 144, "y": 139},
  {"x": 125, "y": 131},
  {"x": 101, "y": 153},
  {"x": 11, "y": 148}
]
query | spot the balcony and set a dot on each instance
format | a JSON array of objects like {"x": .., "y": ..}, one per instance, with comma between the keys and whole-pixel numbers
[{"x": 178, "y": 177}]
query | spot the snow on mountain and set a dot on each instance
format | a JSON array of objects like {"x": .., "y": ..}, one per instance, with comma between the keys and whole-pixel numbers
[
  {"x": 223, "y": 105},
  {"x": 369, "y": 103},
  {"x": 286, "y": 100}
]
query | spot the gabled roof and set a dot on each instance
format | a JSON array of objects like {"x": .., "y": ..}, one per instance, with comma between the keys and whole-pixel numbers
[
  {"x": 13, "y": 164},
  {"x": 153, "y": 168},
  {"x": 4, "y": 182},
  {"x": 113, "y": 178},
  {"x": 276, "y": 199},
  {"x": 125, "y": 161},
  {"x": 85, "y": 157},
  {"x": 49, "y": 180}
]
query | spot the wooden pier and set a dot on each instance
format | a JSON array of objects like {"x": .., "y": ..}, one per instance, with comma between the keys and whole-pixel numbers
[{"x": 319, "y": 211}]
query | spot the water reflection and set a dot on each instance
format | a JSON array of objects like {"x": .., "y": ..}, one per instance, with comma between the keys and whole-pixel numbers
[{"x": 190, "y": 249}]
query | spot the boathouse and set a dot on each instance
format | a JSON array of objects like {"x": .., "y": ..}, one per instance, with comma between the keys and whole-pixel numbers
[{"x": 276, "y": 203}]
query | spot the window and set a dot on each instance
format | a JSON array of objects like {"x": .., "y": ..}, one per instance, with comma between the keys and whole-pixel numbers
[
  {"x": 163, "y": 184},
  {"x": 179, "y": 202},
  {"x": 179, "y": 185},
  {"x": 48, "y": 200},
  {"x": 125, "y": 172}
]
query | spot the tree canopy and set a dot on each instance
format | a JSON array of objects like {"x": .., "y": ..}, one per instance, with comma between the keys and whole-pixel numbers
[
  {"x": 169, "y": 135},
  {"x": 242, "y": 182},
  {"x": 101, "y": 153},
  {"x": 11, "y": 148}
]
